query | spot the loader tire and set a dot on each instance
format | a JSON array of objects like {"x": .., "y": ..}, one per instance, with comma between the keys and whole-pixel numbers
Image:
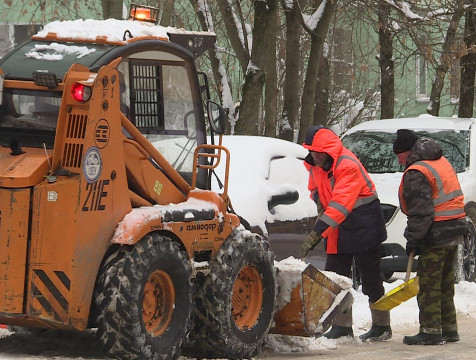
[
  {"x": 236, "y": 302},
  {"x": 144, "y": 300}
]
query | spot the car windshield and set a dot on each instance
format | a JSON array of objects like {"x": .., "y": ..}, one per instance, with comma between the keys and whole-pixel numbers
[
  {"x": 375, "y": 148},
  {"x": 26, "y": 114}
]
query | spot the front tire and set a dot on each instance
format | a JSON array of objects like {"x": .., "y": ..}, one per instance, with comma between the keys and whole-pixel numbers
[
  {"x": 465, "y": 263},
  {"x": 144, "y": 300},
  {"x": 236, "y": 302}
]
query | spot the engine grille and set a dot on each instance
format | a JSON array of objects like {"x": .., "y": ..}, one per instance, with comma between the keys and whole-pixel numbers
[{"x": 74, "y": 139}]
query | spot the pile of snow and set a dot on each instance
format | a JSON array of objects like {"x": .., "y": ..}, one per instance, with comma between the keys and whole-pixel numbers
[
  {"x": 56, "y": 52},
  {"x": 113, "y": 29},
  {"x": 142, "y": 216},
  {"x": 403, "y": 316},
  {"x": 290, "y": 275}
]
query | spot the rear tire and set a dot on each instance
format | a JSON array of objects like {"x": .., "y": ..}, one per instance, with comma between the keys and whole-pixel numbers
[
  {"x": 144, "y": 300},
  {"x": 236, "y": 302}
]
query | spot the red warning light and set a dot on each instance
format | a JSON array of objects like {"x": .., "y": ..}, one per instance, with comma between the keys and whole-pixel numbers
[{"x": 80, "y": 92}]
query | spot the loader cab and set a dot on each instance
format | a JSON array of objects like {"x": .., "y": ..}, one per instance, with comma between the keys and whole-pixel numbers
[
  {"x": 159, "y": 95},
  {"x": 159, "y": 89}
]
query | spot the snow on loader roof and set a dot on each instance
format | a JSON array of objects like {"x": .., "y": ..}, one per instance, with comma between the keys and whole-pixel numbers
[{"x": 111, "y": 31}]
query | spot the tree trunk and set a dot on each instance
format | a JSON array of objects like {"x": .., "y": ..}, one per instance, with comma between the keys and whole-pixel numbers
[
  {"x": 468, "y": 68},
  {"x": 111, "y": 9},
  {"x": 219, "y": 77},
  {"x": 292, "y": 81},
  {"x": 321, "y": 109},
  {"x": 271, "y": 84},
  {"x": 167, "y": 12},
  {"x": 445, "y": 61},
  {"x": 387, "y": 82},
  {"x": 318, "y": 37},
  {"x": 252, "y": 92},
  {"x": 240, "y": 45}
]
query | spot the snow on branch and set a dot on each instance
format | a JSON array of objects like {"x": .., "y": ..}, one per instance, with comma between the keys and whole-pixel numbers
[
  {"x": 405, "y": 9},
  {"x": 311, "y": 21}
]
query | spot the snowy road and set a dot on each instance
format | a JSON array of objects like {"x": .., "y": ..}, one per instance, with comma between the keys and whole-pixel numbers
[
  {"x": 61, "y": 347},
  {"x": 54, "y": 345}
]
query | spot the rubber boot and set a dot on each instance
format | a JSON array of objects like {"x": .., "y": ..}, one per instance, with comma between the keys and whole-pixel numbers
[
  {"x": 341, "y": 327},
  {"x": 380, "y": 329},
  {"x": 450, "y": 336},
  {"x": 423, "y": 339}
]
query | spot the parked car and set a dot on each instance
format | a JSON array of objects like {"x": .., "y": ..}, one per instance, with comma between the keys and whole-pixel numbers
[
  {"x": 372, "y": 142},
  {"x": 268, "y": 190}
]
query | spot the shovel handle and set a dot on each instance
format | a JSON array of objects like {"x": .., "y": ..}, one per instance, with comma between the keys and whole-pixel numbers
[{"x": 409, "y": 265}]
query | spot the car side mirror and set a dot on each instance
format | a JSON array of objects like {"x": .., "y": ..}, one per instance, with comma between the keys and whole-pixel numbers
[
  {"x": 287, "y": 198},
  {"x": 216, "y": 117}
]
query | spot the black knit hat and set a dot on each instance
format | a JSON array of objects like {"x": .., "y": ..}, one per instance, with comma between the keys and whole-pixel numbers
[{"x": 404, "y": 141}]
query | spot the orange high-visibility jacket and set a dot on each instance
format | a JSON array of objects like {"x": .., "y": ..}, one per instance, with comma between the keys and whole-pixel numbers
[
  {"x": 346, "y": 186},
  {"x": 448, "y": 199}
]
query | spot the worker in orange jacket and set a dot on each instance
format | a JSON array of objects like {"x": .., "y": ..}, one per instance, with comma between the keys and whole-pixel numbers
[
  {"x": 431, "y": 197},
  {"x": 351, "y": 221}
]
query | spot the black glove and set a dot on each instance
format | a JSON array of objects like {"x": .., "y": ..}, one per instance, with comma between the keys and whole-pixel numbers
[
  {"x": 311, "y": 240},
  {"x": 412, "y": 247}
]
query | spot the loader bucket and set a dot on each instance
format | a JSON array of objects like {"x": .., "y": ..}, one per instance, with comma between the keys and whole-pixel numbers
[{"x": 313, "y": 303}]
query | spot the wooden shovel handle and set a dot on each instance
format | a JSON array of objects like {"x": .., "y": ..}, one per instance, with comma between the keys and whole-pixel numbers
[{"x": 409, "y": 266}]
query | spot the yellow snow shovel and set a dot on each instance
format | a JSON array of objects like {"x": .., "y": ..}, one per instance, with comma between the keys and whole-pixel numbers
[{"x": 401, "y": 293}]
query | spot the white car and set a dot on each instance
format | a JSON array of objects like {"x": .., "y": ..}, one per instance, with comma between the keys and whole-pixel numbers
[
  {"x": 372, "y": 142},
  {"x": 268, "y": 189}
]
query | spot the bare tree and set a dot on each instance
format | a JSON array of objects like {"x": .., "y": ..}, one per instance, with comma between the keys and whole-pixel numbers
[
  {"x": 321, "y": 109},
  {"x": 255, "y": 76},
  {"x": 293, "y": 80},
  {"x": 111, "y": 9},
  {"x": 386, "y": 62},
  {"x": 445, "y": 60},
  {"x": 167, "y": 12},
  {"x": 204, "y": 16},
  {"x": 318, "y": 32},
  {"x": 271, "y": 83},
  {"x": 468, "y": 66}
]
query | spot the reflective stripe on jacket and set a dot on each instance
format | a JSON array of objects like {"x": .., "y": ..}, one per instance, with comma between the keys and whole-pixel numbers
[{"x": 448, "y": 200}]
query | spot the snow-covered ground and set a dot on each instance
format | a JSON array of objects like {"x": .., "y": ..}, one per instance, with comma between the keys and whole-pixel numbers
[{"x": 61, "y": 346}]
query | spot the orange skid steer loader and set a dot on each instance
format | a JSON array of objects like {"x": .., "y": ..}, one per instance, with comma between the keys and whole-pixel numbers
[{"x": 106, "y": 217}]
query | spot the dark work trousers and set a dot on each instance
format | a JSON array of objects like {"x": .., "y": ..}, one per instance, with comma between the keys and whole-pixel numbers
[{"x": 368, "y": 263}]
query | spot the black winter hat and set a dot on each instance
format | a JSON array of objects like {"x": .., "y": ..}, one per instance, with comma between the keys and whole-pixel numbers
[{"x": 404, "y": 141}]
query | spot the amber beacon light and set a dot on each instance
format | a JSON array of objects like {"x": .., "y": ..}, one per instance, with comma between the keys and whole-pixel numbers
[{"x": 143, "y": 13}]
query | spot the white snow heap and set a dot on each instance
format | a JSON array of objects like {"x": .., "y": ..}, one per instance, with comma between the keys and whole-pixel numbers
[
  {"x": 55, "y": 51},
  {"x": 113, "y": 29},
  {"x": 139, "y": 216},
  {"x": 312, "y": 21},
  {"x": 290, "y": 275}
]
